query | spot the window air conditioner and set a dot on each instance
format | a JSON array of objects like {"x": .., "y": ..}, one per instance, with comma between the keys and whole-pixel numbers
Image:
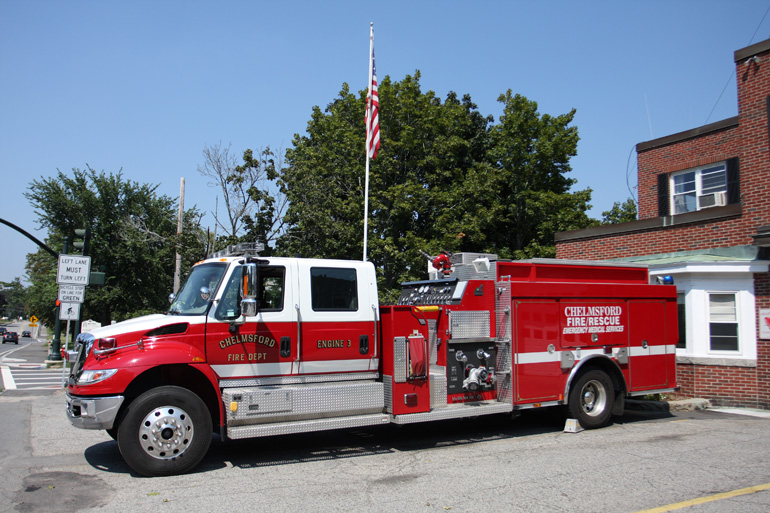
[{"x": 715, "y": 199}]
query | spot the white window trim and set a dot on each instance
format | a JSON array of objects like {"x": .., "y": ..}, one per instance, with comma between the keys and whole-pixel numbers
[
  {"x": 698, "y": 185},
  {"x": 697, "y": 280},
  {"x": 738, "y": 319}
]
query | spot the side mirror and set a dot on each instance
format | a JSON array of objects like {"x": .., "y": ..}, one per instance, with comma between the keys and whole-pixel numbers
[
  {"x": 249, "y": 290},
  {"x": 171, "y": 297}
]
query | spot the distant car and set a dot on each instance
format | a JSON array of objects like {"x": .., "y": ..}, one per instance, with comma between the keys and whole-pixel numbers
[
  {"x": 26, "y": 334},
  {"x": 2, "y": 330},
  {"x": 10, "y": 336}
]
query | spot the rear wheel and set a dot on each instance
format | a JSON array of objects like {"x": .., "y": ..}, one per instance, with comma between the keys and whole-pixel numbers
[
  {"x": 590, "y": 400},
  {"x": 165, "y": 431}
]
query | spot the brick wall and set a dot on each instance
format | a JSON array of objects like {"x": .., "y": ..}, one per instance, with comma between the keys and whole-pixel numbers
[
  {"x": 762, "y": 299},
  {"x": 714, "y": 147},
  {"x": 747, "y": 139},
  {"x": 717, "y": 234},
  {"x": 723, "y": 386}
]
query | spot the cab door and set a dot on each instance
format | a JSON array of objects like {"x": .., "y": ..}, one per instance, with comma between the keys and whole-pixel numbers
[
  {"x": 336, "y": 314},
  {"x": 254, "y": 347}
]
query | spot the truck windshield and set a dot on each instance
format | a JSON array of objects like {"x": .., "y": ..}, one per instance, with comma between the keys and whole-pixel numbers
[{"x": 190, "y": 300}]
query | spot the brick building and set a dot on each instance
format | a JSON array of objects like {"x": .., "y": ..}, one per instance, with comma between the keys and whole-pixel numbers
[{"x": 704, "y": 218}]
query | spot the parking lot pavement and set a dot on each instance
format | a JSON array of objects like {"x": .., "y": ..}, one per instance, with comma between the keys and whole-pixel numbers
[{"x": 644, "y": 460}]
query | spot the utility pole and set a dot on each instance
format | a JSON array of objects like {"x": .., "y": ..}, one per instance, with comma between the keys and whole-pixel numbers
[{"x": 178, "y": 268}]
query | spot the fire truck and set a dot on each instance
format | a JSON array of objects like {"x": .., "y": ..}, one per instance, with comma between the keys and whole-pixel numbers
[{"x": 255, "y": 346}]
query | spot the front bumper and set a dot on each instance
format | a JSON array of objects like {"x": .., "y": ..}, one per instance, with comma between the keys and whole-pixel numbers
[{"x": 93, "y": 412}]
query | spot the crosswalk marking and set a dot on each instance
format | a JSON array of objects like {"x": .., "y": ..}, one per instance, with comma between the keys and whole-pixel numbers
[{"x": 17, "y": 378}]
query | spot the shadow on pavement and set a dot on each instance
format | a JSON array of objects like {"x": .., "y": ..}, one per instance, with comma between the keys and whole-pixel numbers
[{"x": 352, "y": 443}]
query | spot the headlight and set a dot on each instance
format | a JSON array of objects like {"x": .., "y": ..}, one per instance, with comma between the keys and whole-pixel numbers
[{"x": 89, "y": 377}]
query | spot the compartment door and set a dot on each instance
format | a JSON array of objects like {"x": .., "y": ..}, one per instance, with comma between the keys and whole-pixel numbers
[
  {"x": 537, "y": 371},
  {"x": 648, "y": 348}
]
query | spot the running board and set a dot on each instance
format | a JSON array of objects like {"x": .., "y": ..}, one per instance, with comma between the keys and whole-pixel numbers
[
  {"x": 455, "y": 411},
  {"x": 306, "y": 426}
]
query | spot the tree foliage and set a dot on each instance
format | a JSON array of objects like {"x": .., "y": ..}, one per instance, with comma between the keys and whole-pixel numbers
[
  {"x": 134, "y": 242},
  {"x": 12, "y": 298},
  {"x": 529, "y": 197},
  {"x": 253, "y": 203},
  {"x": 620, "y": 213},
  {"x": 446, "y": 178}
]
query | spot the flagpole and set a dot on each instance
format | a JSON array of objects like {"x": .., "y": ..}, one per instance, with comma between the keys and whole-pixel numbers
[
  {"x": 366, "y": 206},
  {"x": 368, "y": 136}
]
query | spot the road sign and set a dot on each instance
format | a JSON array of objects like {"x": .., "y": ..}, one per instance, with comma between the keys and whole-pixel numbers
[
  {"x": 32, "y": 319},
  {"x": 89, "y": 325},
  {"x": 69, "y": 311},
  {"x": 73, "y": 270},
  {"x": 71, "y": 293}
]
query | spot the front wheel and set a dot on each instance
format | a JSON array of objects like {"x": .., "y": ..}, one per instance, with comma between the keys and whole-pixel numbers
[
  {"x": 165, "y": 431},
  {"x": 590, "y": 400}
]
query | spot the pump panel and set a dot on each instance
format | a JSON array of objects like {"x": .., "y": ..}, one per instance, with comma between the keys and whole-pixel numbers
[{"x": 432, "y": 292}]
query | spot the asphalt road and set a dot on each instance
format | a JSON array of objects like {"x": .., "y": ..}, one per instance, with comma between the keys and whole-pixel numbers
[
  {"x": 702, "y": 461},
  {"x": 644, "y": 460},
  {"x": 22, "y": 365}
]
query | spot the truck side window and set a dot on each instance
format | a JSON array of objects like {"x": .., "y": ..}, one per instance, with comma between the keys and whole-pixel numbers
[
  {"x": 334, "y": 289},
  {"x": 228, "y": 306},
  {"x": 271, "y": 287},
  {"x": 270, "y": 295}
]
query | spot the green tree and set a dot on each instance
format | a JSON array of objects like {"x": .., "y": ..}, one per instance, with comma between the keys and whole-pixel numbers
[
  {"x": 620, "y": 213},
  {"x": 417, "y": 197},
  {"x": 134, "y": 242},
  {"x": 446, "y": 178},
  {"x": 12, "y": 298},
  {"x": 529, "y": 196},
  {"x": 253, "y": 203}
]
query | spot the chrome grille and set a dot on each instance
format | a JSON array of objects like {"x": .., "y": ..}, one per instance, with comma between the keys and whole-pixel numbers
[{"x": 83, "y": 345}]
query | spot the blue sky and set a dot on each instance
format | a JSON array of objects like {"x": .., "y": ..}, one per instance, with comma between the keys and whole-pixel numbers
[{"x": 144, "y": 86}]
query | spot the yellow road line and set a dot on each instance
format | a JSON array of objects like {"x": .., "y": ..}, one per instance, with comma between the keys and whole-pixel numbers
[{"x": 710, "y": 498}]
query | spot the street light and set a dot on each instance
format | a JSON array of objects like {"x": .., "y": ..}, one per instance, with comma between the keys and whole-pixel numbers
[
  {"x": 55, "y": 354},
  {"x": 85, "y": 244}
]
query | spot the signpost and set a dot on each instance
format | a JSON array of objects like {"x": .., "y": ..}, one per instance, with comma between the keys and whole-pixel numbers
[
  {"x": 72, "y": 276},
  {"x": 71, "y": 293},
  {"x": 73, "y": 270},
  {"x": 69, "y": 311}
]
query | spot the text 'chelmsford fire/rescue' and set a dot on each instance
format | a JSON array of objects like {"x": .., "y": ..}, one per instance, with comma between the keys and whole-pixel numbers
[{"x": 593, "y": 319}]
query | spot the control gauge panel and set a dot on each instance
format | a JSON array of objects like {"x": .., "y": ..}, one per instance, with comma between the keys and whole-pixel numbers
[{"x": 433, "y": 292}]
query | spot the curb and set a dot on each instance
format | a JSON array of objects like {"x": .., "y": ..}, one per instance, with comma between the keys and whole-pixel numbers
[{"x": 666, "y": 406}]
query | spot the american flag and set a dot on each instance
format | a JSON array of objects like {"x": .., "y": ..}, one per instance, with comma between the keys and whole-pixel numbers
[{"x": 373, "y": 115}]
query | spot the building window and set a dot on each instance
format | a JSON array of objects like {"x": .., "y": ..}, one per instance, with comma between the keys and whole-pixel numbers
[
  {"x": 699, "y": 188},
  {"x": 723, "y": 322},
  {"x": 682, "y": 319}
]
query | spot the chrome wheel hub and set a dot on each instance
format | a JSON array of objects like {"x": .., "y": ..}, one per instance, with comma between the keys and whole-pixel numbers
[
  {"x": 166, "y": 432},
  {"x": 594, "y": 399}
]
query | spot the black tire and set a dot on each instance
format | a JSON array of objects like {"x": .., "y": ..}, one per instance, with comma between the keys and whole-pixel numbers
[
  {"x": 165, "y": 431},
  {"x": 590, "y": 400}
]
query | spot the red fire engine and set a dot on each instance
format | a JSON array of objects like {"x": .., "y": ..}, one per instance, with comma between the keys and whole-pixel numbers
[{"x": 257, "y": 346}]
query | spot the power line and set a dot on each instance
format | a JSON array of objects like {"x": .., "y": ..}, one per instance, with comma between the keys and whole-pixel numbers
[{"x": 733, "y": 72}]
